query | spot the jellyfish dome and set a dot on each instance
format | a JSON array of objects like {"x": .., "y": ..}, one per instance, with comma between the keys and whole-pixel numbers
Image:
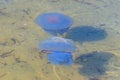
[
  {"x": 54, "y": 23},
  {"x": 60, "y": 58},
  {"x": 58, "y": 44}
]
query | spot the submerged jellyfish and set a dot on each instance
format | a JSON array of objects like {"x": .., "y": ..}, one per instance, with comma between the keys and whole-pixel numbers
[
  {"x": 60, "y": 58},
  {"x": 57, "y": 44},
  {"x": 54, "y": 23},
  {"x": 59, "y": 50}
]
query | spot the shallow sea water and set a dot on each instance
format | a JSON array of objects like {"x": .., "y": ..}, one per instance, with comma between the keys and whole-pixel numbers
[{"x": 20, "y": 58}]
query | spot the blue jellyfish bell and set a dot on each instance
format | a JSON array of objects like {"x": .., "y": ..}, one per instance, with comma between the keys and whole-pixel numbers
[
  {"x": 54, "y": 23},
  {"x": 59, "y": 50},
  {"x": 58, "y": 44},
  {"x": 60, "y": 58}
]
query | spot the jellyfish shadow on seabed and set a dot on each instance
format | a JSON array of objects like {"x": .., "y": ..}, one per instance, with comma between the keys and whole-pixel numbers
[
  {"x": 86, "y": 34},
  {"x": 94, "y": 64}
]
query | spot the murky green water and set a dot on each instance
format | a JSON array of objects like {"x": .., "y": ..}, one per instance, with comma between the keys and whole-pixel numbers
[{"x": 19, "y": 37}]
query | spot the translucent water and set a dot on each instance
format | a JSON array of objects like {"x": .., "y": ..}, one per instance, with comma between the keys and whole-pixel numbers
[{"x": 20, "y": 57}]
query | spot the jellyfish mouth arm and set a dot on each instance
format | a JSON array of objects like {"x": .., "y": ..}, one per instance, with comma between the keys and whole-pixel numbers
[{"x": 45, "y": 51}]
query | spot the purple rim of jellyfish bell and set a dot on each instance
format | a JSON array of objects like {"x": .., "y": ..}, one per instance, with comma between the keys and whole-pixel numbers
[
  {"x": 57, "y": 44},
  {"x": 54, "y": 22}
]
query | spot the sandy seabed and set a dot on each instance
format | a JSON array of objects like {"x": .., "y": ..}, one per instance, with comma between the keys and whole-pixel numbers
[{"x": 20, "y": 58}]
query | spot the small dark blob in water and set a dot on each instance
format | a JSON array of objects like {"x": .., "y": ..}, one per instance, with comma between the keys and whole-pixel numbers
[
  {"x": 77, "y": 0},
  {"x": 93, "y": 79},
  {"x": 55, "y": 0}
]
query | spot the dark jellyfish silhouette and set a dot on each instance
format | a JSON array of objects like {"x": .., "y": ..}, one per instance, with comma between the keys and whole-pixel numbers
[
  {"x": 59, "y": 50},
  {"x": 93, "y": 64},
  {"x": 60, "y": 58},
  {"x": 86, "y": 34},
  {"x": 54, "y": 23}
]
